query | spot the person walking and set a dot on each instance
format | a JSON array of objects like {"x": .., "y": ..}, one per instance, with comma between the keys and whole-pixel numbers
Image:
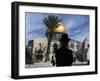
[{"x": 63, "y": 55}]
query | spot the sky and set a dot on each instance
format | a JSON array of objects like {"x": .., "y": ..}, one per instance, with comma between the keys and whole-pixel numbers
[{"x": 77, "y": 25}]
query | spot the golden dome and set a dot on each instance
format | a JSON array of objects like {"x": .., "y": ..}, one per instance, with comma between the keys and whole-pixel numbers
[{"x": 61, "y": 29}]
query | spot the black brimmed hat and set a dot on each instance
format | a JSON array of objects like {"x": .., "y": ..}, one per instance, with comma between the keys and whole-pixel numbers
[{"x": 64, "y": 37}]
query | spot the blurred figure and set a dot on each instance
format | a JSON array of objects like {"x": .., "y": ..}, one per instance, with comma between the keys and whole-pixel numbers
[
  {"x": 82, "y": 54},
  {"x": 55, "y": 47},
  {"x": 53, "y": 61},
  {"x": 40, "y": 46},
  {"x": 64, "y": 56},
  {"x": 88, "y": 52}
]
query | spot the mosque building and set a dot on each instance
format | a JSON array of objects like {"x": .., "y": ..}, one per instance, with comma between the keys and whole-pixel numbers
[{"x": 38, "y": 55}]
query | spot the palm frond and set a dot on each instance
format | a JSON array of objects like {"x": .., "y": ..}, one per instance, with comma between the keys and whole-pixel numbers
[{"x": 51, "y": 21}]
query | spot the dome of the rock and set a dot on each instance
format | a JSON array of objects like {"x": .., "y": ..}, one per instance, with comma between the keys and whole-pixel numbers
[{"x": 60, "y": 29}]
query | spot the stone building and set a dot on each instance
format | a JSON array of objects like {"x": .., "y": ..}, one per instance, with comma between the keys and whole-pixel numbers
[{"x": 39, "y": 45}]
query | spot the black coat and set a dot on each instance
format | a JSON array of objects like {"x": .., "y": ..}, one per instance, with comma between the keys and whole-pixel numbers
[{"x": 64, "y": 57}]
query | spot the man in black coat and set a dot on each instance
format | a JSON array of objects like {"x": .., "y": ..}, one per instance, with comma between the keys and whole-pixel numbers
[{"x": 64, "y": 56}]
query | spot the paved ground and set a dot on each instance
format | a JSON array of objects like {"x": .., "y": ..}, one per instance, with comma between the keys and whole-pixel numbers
[
  {"x": 36, "y": 65},
  {"x": 48, "y": 64}
]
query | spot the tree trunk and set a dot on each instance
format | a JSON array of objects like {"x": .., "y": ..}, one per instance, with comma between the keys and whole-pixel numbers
[{"x": 48, "y": 47}]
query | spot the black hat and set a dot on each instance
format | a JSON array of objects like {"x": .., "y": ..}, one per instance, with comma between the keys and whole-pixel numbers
[{"x": 64, "y": 37}]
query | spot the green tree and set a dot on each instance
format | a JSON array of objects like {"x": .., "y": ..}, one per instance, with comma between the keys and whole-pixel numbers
[{"x": 51, "y": 22}]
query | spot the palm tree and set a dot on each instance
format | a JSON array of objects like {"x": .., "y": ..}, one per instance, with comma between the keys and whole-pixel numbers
[{"x": 51, "y": 22}]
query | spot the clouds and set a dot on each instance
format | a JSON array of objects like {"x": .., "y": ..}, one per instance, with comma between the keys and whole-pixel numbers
[
  {"x": 80, "y": 30},
  {"x": 77, "y": 25}
]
